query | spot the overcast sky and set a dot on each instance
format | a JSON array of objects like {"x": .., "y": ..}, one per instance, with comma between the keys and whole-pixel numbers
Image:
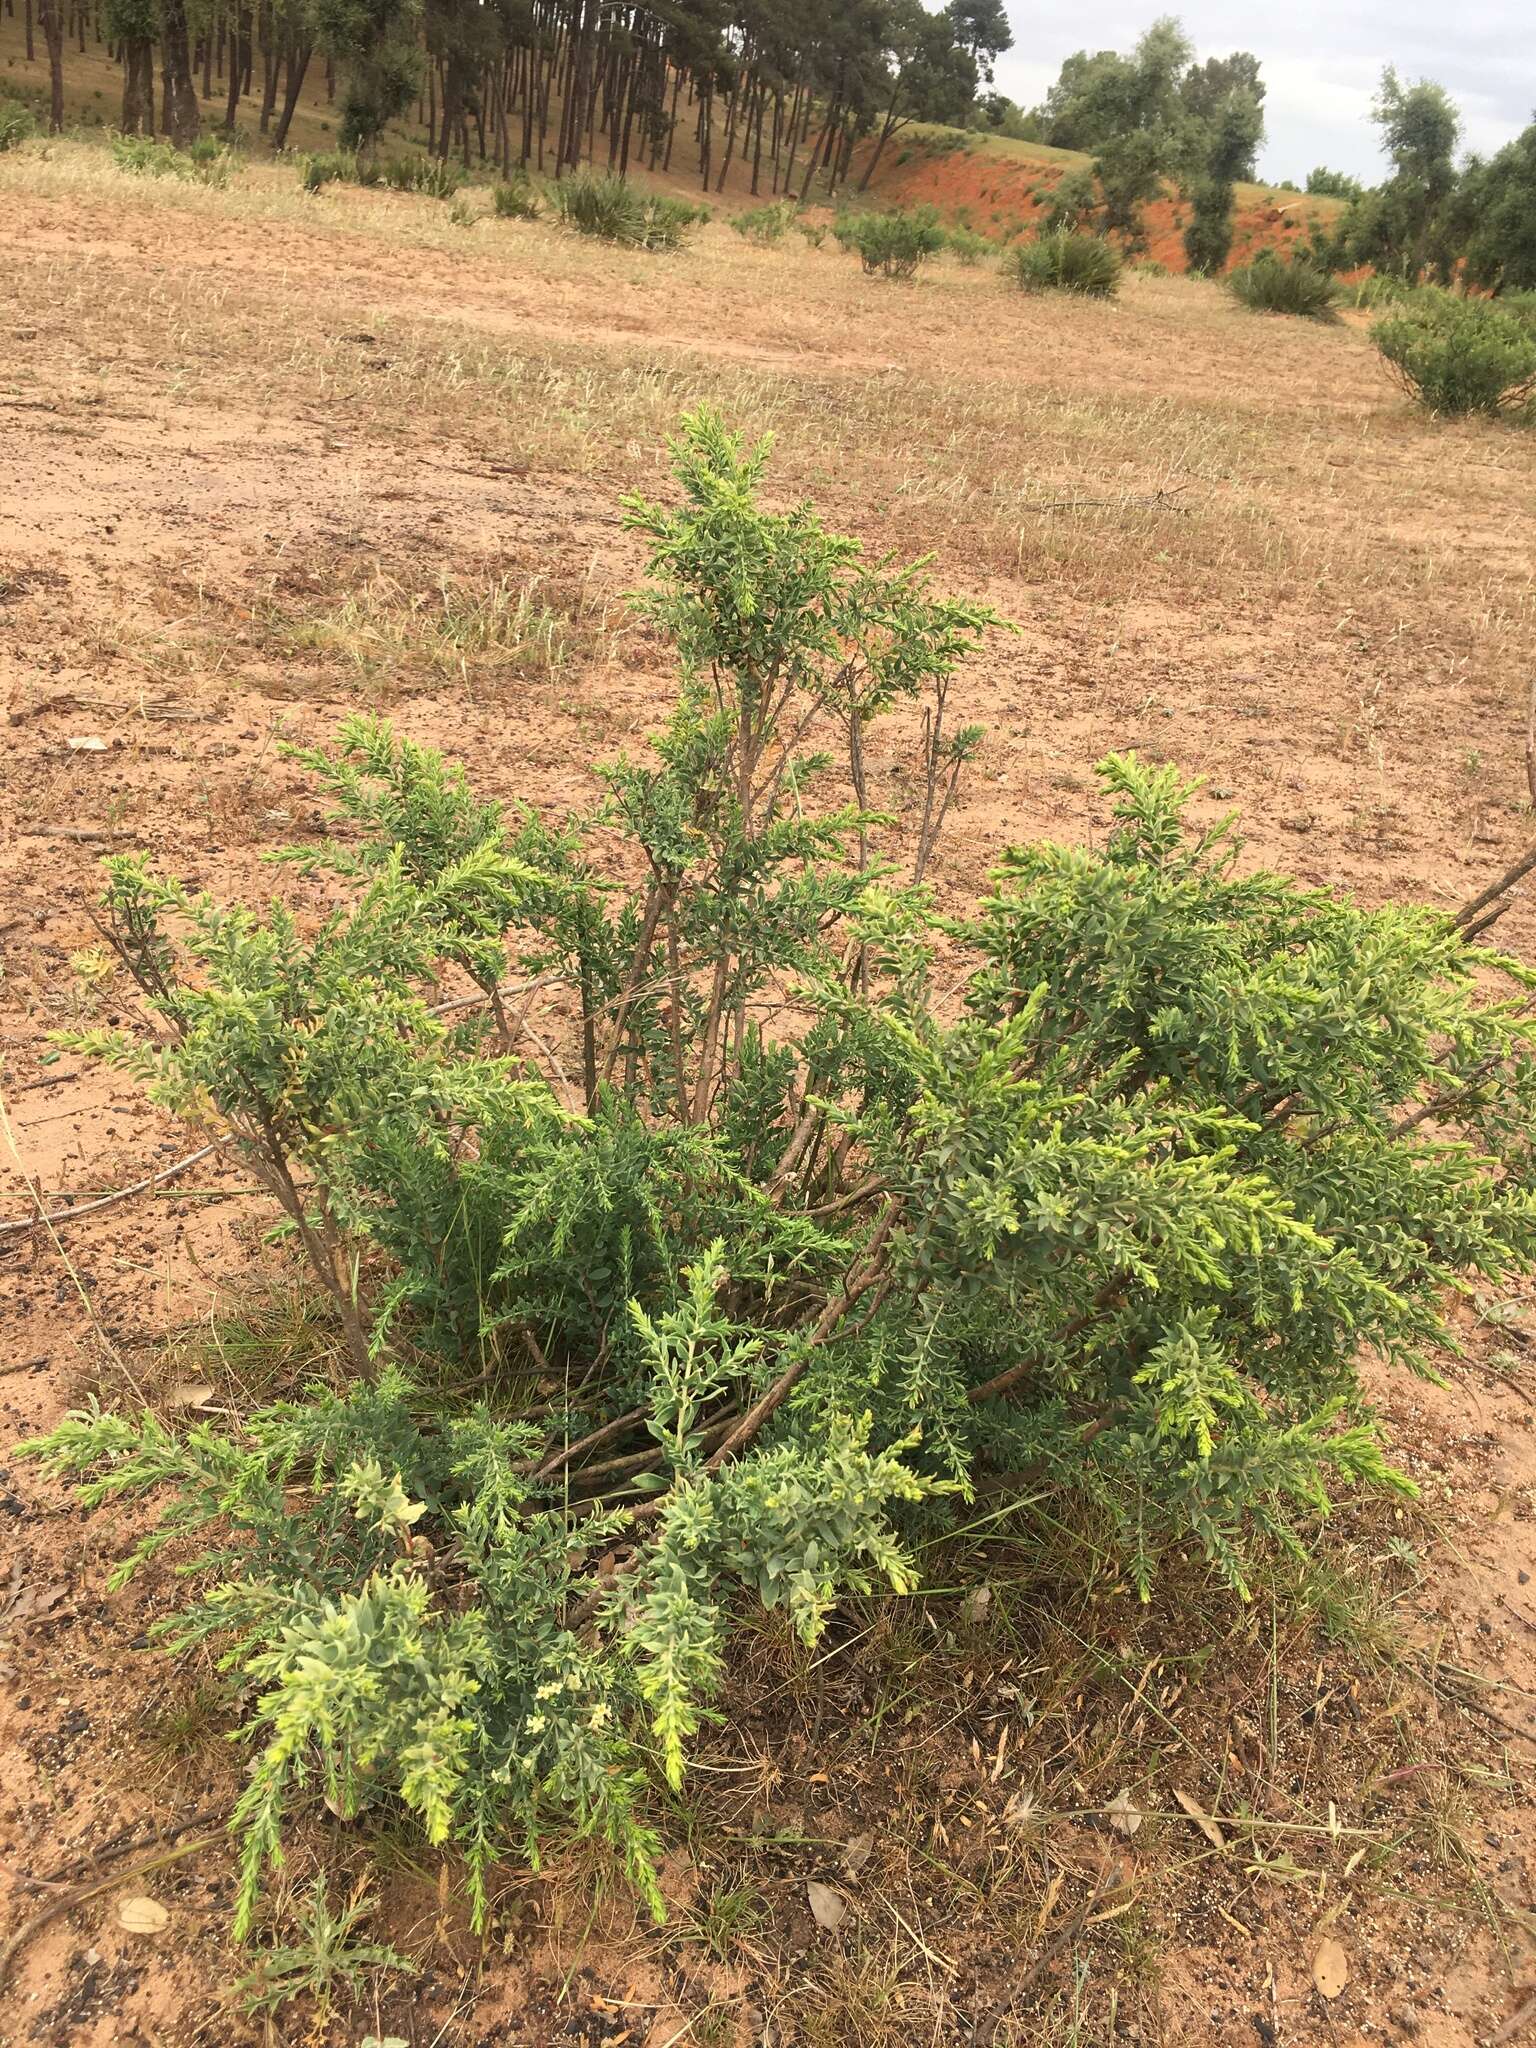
[{"x": 1320, "y": 62}]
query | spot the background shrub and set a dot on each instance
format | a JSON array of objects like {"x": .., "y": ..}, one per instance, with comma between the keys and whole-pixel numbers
[
  {"x": 765, "y": 225},
  {"x": 892, "y": 244},
  {"x": 1074, "y": 202},
  {"x": 967, "y": 247},
  {"x": 515, "y": 198},
  {"x": 1065, "y": 261},
  {"x": 327, "y": 168},
  {"x": 1458, "y": 355},
  {"x": 1268, "y": 285},
  {"x": 615, "y": 211},
  {"x": 207, "y": 162},
  {"x": 16, "y": 124},
  {"x": 429, "y": 175}
]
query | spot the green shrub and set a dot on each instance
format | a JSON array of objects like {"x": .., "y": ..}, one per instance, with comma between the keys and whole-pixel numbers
[
  {"x": 765, "y": 225},
  {"x": 16, "y": 124},
  {"x": 1459, "y": 355},
  {"x": 1268, "y": 285},
  {"x": 1334, "y": 184},
  {"x": 892, "y": 244},
  {"x": 1064, "y": 261},
  {"x": 328, "y": 168},
  {"x": 143, "y": 156},
  {"x": 967, "y": 247},
  {"x": 207, "y": 162},
  {"x": 1369, "y": 292},
  {"x": 1074, "y": 202},
  {"x": 672, "y": 1308},
  {"x": 431, "y": 176},
  {"x": 1208, "y": 237},
  {"x": 815, "y": 233},
  {"x": 596, "y": 204},
  {"x": 515, "y": 198}
]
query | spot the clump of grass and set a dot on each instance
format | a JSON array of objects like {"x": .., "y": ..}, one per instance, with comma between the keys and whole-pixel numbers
[
  {"x": 462, "y": 215},
  {"x": 1299, "y": 288},
  {"x": 1063, "y": 260},
  {"x": 615, "y": 211},
  {"x": 430, "y": 175},
  {"x": 815, "y": 233},
  {"x": 497, "y": 630},
  {"x": 322, "y": 1959},
  {"x": 515, "y": 198},
  {"x": 269, "y": 1338},
  {"x": 1459, "y": 356}
]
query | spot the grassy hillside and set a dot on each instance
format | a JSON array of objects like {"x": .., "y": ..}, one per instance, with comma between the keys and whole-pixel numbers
[
  {"x": 986, "y": 182},
  {"x": 1000, "y": 188}
]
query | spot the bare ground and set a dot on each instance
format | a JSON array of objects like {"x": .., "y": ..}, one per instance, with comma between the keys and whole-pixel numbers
[{"x": 245, "y": 439}]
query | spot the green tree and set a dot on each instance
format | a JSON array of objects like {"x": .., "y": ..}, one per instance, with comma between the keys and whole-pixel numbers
[
  {"x": 1205, "y": 90},
  {"x": 1101, "y": 96},
  {"x": 1130, "y": 168},
  {"x": 376, "y": 44},
  {"x": 932, "y": 78},
  {"x": 1495, "y": 216},
  {"x": 1234, "y": 131},
  {"x": 981, "y": 29},
  {"x": 1404, "y": 227},
  {"x": 1328, "y": 184}
]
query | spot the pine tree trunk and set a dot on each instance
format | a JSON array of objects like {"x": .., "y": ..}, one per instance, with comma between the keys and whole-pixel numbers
[
  {"x": 239, "y": 65},
  {"x": 180, "y": 104},
  {"x": 269, "y": 75},
  {"x": 51, "y": 16},
  {"x": 299, "y": 55}
]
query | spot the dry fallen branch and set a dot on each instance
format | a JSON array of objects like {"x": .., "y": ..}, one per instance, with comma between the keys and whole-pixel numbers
[
  {"x": 1152, "y": 499},
  {"x": 85, "y": 1893},
  {"x": 1468, "y": 918},
  {"x": 20, "y": 1225}
]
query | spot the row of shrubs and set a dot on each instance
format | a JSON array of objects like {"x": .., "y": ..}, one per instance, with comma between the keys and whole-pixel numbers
[
  {"x": 590, "y": 202},
  {"x": 425, "y": 174},
  {"x": 1455, "y": 355}
]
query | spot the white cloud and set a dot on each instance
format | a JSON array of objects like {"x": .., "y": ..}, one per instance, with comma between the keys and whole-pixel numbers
[{"x": 1321, "y": 63}]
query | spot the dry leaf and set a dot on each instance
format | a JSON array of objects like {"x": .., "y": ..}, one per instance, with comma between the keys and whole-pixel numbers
[
  {"x": 1201, "y": 1819},
  {"x": 829, "y": 1909},
  {"x": 28, "y": 1603},
  {"x": 85, "y": 743},
  {"x": 973, "y": 1609},
  {"x": 858, "y": 1852},
  {"x": 192, "y": 1393},
  {"x": 1122, "y": 1814},
  {"x": 1330, "y": 1969},
  {"x": 142, "y": 1916}
]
